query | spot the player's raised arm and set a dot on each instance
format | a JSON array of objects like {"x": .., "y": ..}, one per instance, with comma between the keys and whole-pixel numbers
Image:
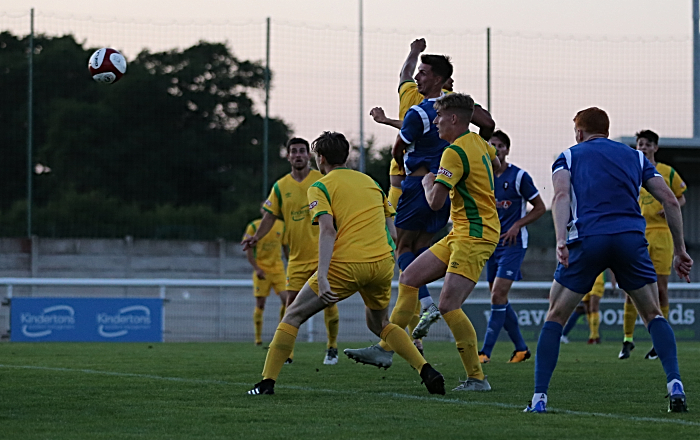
[
  {"x": 482, "y": 119},
  {"x": 409, "y": 66},
  {"x": 661, "y": 192},
  {"x": 377, "y": 113}
]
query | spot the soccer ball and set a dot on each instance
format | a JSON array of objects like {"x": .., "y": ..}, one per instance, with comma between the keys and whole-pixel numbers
[{"x": 107, "y": 65}]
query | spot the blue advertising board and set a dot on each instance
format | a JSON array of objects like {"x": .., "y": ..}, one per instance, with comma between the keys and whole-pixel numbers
[{"x": 86, "y": 320}]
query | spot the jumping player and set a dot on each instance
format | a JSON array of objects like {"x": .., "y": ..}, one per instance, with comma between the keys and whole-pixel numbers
[
  {"x": 514, "y": 189},
  {"x": 355, "y": 254},
  {"x": 596, "y": 191},
  {"x": 268, "y": 271},
  {"x": 287, "y": 201},
  {"x": 657, "y": 234}
]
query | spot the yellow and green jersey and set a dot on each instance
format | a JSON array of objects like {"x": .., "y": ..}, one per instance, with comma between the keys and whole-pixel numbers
[
  {"x": 650, "y": 206},
  {"x": 359, "y": 209},
  {"x": 465, "y": 168},
  {"x": 287, "y": 201},
  {"x": 268, "y": 250}
]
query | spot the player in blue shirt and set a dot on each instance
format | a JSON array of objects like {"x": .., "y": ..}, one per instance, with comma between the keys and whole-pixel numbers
[
  {"x": 596, "y": 191},
  {"x": 513, "y": 188}
]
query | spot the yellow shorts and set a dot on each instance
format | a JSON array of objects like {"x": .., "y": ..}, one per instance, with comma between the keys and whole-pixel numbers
[
  {"x": 598, "y": 288},
  {"x": 394, "y": 169},
  {"x": 464, "y": 256},
  {"x": 299, "y": 274},
  {"x": 273, "y": 280},
  {"x": 372, "y": 280},
  {"x": 394, "y": 194},
  {"x": 660, "y": 250}
]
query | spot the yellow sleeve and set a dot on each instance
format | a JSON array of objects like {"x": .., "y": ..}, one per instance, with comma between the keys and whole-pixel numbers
[
  {"x": 273, "y": 204},
  {"x": 250, "y": 230},
  {"x": 408, "y": 97},
  {"x": 451, "y": 167},
  {"x": 492, "y": 151},
  {"x": 678, "y": 186},
  {"x": 319, "y": 201}
]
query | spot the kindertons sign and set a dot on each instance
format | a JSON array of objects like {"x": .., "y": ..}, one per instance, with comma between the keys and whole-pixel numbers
[
  {"x": 86, "y": 320},
  {"x": 684, "y": 316}
]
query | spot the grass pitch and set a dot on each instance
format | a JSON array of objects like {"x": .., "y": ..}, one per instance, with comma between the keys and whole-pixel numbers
[{"x": 178, "y": 391}]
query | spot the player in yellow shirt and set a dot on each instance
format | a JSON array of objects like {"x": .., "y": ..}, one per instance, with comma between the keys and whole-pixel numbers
[
  {"x": 268, "y": 271},
  {"x": 355, "y": 254},
  {"x": 658, "y": 236},
  {"x": 287, "y": 201},
  {"x": 466, "y": 176}
]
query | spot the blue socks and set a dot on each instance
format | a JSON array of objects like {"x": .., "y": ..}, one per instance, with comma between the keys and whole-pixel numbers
[
  {"x": 547, "y": 355},
  {"x": 496, "y": 320},
  {"x": 513, "y": 329},
  {"x": 571, "y": 323},
  {"x": 665, "y": 345}
]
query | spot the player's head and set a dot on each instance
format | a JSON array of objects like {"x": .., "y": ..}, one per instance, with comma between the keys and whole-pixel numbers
[
  {"x": 332, "y": 150},
  {"x": 591, "y": 122},
  {"x": 501, "y": 142},
  {"x": 647, "y": 142},
  {"x": 433, "y": 72},
  {"x": 298, "y": 153},
  {"x": 454, "y": 112},
  {"x": 449, "y": 84}
]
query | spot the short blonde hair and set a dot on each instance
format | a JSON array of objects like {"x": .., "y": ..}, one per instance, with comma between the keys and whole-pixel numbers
[{"x": 458, "y": 103}]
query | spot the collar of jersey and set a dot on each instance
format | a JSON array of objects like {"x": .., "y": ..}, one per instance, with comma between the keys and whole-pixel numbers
[
  {"x": 463, "y": 134},
  {"x": 339, "y": 168}
]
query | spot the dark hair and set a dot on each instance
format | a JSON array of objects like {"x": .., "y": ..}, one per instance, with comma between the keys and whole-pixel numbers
[
  {"x": 294, "y": 141},
  {"x": 440, "y": 64},
  {"x": 503, "y": 137},
  {"x": 592, "y": 120},
  {"x": 648, "y": 135},
  {"x": 333, "y": 146},
  {"x": 457, "y": 103}
]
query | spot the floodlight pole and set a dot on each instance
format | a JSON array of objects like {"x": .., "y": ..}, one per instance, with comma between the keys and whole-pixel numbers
[
  {"x": 30, "y": 123},
  {"x": 266, "y": 121},
  {"x": 362, "y": 96},
  {"x": 696, "y": 70}
]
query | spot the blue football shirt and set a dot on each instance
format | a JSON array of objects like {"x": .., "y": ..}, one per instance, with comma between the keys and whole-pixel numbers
[
  {"x": 418, "y": 131},
  {"x": 605, "y": 180},
  {"x": 513, "y": 189}
]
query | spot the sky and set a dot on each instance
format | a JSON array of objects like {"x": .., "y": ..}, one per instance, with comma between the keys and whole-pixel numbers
[{"x": 550, "y": 58}]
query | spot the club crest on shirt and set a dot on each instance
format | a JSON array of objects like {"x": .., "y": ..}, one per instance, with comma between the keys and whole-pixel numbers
[
  {"x": 268, "y": 203},
  {"x": 505, "y": 185},
  {"x": 505, "y": 204},
  {"x": 313, "y": 204},
  {"x": 445, "y": 172}
]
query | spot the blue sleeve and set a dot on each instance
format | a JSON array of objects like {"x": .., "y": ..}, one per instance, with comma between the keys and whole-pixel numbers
[
  {"x": 412, "y": 127},
  {"x": 560, "y": 163},
  {"x": 648, "y": 171},
  {"x": 527, "y": 187}
]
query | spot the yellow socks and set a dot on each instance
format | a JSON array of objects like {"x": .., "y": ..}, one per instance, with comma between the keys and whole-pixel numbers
[
  {"x": 630, "y": 317},
  {"x": 393, "y": 196},
  {"x": 405, "y": 306},
  {"x": 465, "y": 338},
  {"x": 415, "y": 319},
  {"x": 664, "y": 310},
  {"x": 258, "y": 324},
  {"x": 283, "y": 310},
  {"x": 280, "y": 349},
  {"x": 594, "y": 325},
  {"x": 402, "y": 344},
  {"x": 332, "y": 320}
]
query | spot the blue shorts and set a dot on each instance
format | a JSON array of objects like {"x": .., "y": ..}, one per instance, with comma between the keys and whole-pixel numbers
[
  {"x": 413, "y": 212},
  {"x": 505, "y": 263},
  {"x": 626, "y": 254}
]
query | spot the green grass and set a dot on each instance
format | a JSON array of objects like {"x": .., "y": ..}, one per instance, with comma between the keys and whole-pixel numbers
[{"x": 177, "y": 391}]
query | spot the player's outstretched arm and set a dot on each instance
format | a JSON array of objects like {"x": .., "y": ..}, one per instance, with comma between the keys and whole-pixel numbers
[
  {"x": 661, "y": 192},
  {"x": 561, "y": 181},
  {"x": 482, "y": 119},
  {"x": 326, "y": 242},
  {"x": 510, "y": 237},
  {"x": 266, "y": 224},
  {"x": 409, "y": 66},
  {"x": 377, "y": 113}
]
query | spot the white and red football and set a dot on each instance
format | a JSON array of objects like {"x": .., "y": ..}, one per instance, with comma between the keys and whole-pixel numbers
[{"x": 107, "y": 65}]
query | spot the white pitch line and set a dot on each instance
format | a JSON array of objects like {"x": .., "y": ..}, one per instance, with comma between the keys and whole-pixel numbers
[{"x": 386, "y": 394}]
